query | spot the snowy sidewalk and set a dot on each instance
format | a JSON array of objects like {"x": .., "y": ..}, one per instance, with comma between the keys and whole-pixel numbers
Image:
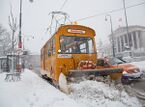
[{"x": 32, "y": 91}]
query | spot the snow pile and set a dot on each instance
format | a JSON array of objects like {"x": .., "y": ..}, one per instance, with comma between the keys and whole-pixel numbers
[
  {"x": 32, "y": 91},
  {"x": 98, "y": 94}
]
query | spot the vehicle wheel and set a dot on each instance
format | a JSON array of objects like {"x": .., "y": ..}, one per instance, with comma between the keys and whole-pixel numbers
[
  {"x": 142, "y": 76},
  {"x": 43, "y": 76},
  {"x": 55, "y": 84},
  {"x": 47, "y": 79},
  {"x": 125, "y": 81}
]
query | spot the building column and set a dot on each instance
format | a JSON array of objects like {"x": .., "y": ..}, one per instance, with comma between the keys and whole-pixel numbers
[
  {"x": 116, "y": 45},
  {"x": 132, "y": 41},
  {"x": 127, "y": 37},
  {"x": 120, "y": 44},
  {"x": 123, "y": 41},
  {"x": 137, "y": 40}
]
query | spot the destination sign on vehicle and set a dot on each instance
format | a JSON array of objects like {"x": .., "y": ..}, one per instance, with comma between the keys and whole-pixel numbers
[
  {"x": 64, "y": 55},
  {"x": 76, "y": 31}
]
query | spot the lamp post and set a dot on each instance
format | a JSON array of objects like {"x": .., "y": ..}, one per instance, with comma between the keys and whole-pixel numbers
[
  {"x": 112, "y": 35},
  {"x": 126, "y": 21},
  {"x": 20, "y": 26},
  {"x": 127, "y": 34}
]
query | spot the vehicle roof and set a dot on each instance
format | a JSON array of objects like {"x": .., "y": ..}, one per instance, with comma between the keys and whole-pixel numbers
[
  {"x": 81, "y": 27},
  {"x": 70, "y": 26}
]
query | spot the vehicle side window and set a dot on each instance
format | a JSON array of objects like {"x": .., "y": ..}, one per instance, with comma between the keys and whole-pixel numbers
[
  {"x": 45, "y": 52},
  {"x": 53, "y": 46},
  {"x": 49, "y": 49}
]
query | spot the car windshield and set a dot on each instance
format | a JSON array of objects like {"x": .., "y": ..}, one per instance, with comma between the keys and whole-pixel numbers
[
  {"x": 115, "y": 61},
  {"x": 76, "y": 45}
]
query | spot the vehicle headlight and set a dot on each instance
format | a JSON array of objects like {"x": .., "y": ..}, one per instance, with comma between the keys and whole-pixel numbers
[
  {"x": 124, "y": 72},
  {"x": 136, "y": 70}
]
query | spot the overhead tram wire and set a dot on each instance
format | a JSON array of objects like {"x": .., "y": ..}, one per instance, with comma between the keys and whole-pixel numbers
[
  {"x": 107, "y": 12},
  {"x": 85, "y": 18},
  {"x": 49, "y": 28},
  {"x": 63, "y": 5},
  {"x": 62, "y": 8},
  {"x": 100, "y": 14}
]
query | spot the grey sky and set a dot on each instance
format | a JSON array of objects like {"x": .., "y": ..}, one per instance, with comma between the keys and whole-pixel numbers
[{"x": 36, "y": 20}]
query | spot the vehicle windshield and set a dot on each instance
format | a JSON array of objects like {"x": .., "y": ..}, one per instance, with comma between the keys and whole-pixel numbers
[
  {"x": 76, "y": 45},
  {"x": 115, "y": 61}
]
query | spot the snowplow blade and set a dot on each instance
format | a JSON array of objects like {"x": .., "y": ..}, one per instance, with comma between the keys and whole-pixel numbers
[
  {"x": 113, "y": 72},
  {"x": 73, "y": 75},
  {"x": 63, "y": 85}
]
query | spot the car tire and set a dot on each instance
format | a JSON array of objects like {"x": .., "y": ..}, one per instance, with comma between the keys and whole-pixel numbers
[{"x": 125, "y": 81}]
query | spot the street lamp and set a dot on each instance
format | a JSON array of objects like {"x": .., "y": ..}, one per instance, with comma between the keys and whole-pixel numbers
[
  {"x": 112, "y": 35},
  {"x": 126, "y": 21}
]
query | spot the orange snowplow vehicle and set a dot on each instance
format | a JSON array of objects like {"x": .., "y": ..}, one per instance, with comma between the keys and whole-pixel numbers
[
  {"x": 130, "y": 71},
  {"x": 71, "y": 53}
]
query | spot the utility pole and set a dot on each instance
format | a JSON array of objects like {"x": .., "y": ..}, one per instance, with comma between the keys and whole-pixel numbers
[
  {"x": 112, "y": 34},
  {"x": 126, "y": 21},
  {"x": 20, "y": 26}
]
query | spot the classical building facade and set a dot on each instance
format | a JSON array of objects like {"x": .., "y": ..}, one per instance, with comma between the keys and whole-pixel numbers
[{"x": 133, "y": 42}]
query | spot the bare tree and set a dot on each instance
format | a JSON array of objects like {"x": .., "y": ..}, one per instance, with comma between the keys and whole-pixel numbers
[
  {"x": 13, "y": 26},
  {"x": 4, "y": 41}
]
